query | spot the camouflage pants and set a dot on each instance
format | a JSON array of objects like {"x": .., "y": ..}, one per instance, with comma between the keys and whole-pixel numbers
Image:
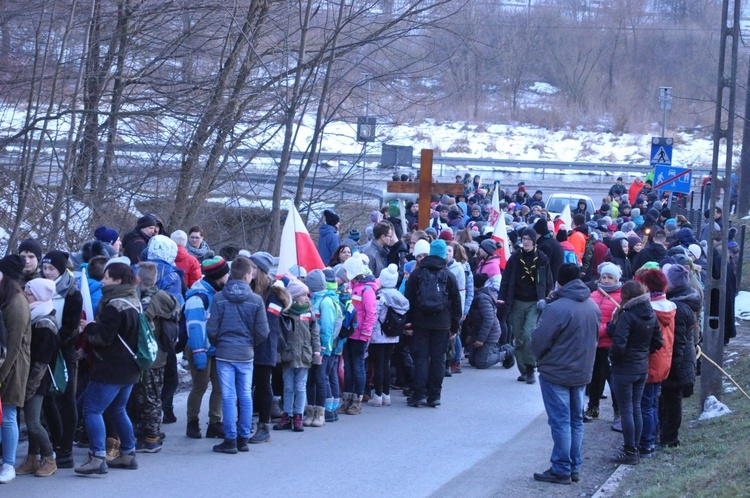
[{"x": 148, "y": 397}]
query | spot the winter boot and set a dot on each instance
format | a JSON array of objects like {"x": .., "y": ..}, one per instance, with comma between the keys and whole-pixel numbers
[
  {"x": 193, "y": 429},
  {"x": 92, "y": 465},
  {"x": 530, "y": 378},
  {"x": 375, "y": 400},
  {"x": 261, "y": 434},
  {"x": 629, "y": 456},
  {"x": 229, "y": 446},
  {"x": 124, "y": 461},
  {"x": 169, "y": 417},
  {"x": 47, "y": 467},
  {"x": 242, "y": 444},
  {"x": 346, "y": 402},
  {"x": 284, "y": 424},
  {"x": 297, "y": 425},
  {"x": 64, "y": 459},
  {"x": 318, "y": 417},
  {"x": 356, "y": 406},
  {"x": 276, "y": 408},
  {"x": 308, "y": 417},
  {"x": 113, "y": 448},
  {"x": 29, "y": 466},
  {"x": 215, "y": 430}
]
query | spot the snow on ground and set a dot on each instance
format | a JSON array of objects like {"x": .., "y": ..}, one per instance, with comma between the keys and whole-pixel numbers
[
  {"x": 713, "y": 408},
  {"x": 742, "y": 305}
]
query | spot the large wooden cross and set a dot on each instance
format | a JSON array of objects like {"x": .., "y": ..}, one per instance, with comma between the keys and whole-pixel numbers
[{"x": 425, "y": 188}]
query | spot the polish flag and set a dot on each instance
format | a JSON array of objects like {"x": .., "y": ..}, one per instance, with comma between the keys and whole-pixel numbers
[
  {"x": 297, "y": 247},
  {"x": 500, "y": 235},
  {"x": 88, "y": 307},
  {"x": 565, "y": 216},
  {"x": 494, "y": 209}
]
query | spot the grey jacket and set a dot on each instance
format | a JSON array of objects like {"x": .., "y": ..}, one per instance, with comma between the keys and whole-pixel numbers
[
  {"x": 387, "y": 298},
  {"x": 485, "y": 326},
  {"x": 237, "y": 322},
  {"x": 565, "y": 338}
]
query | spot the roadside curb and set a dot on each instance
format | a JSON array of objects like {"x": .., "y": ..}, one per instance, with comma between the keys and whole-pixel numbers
[{"x": 610, "y": 486}]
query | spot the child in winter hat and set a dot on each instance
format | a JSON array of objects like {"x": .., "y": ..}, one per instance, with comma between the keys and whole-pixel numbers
[
  {"x": 316, "y": 281},
  {"x": 58, "y": 259},
  {"x": 214, "y": 268},
  {"x": 438, "y": 248},
  {"x": 389, "y": 276},
  {"x": 263, "y": 261},
  {"x": 354, "y": 267},
  {"x": 677, "y": 276},
  {"x": 296, "y": 288},
  {"x": 162, "y": 248}
]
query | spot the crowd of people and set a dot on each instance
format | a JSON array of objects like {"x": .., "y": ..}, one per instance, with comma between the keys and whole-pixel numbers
[{"x": 614, "y": 298}]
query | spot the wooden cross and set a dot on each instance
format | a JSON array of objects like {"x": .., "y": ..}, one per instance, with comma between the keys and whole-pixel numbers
[{"x": 425, "y": 188}]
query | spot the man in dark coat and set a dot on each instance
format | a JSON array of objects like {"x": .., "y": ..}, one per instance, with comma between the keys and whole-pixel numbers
[
  {"x": 526, "y": 283},
  {"x": 564, "y": 343},
  {"x": 136, "y": 241},
  {"x": 655, "y": 250},
  {"x": 549, "y": 246}
]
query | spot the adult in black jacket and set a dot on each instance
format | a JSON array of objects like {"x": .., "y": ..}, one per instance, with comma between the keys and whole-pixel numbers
[
  {"x": 136, "y": 241},
  {"x": 681, "y": 378},
  {"x": 549, "y": 245},
  {"x": 654, "y": 250},
  {"x": 526, "y": 283},
  {"x": 113, "y": 370},
  {"x": 618, "y": 257},
  {"x": 431, "y": 330},
  {"x": 730, "y": 330},
  {"x": 485, "y": 327},
  {"x": 635, "y": 334}
]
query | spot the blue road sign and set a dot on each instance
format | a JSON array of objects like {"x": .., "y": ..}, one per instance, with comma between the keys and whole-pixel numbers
[
  {"x": 661, "y": 155},
  {"x": 673, "y": 179}
]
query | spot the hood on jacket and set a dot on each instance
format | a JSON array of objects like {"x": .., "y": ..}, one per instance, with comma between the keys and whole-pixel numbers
[
  {"x": 394, "y": 299},
  {"x": 163, "y": 248},
  {"x": 433, "y": 263},
  {"x": 575, "y": 290},
  {"x": 236, "y": 291},
  {"x": 283, "y": 295},
  {"x": 640, "y": 306},
  {"x": 686, "y": 294},
  {"x": 489, "y": 290},
  {"x": 326, "y": 229}
]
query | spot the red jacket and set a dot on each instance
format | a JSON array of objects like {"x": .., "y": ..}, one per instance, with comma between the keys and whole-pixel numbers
[
  {"x": 189, "y": 264},
  {"x": 660, "y": 362},
  {"x": 607, "y": 307}
]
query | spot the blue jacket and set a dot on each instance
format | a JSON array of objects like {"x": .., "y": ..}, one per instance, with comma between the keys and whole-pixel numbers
[
  {"x": 169, "y": 278},
  {"x": 326, "y": 310},
  {"x": 196, "y": 316},
  {"x": 278, "y": 301},
  {"x": 238, "y": 322},
  {"x": 328, "y": 241}
]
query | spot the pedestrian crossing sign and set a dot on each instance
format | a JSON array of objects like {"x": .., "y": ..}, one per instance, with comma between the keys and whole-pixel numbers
[{"x": 661, "y": 155}]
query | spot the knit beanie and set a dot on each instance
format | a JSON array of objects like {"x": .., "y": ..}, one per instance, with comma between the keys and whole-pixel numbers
[
  {"x": 214, "y": 268},
  {"x": 375, "y": 216},
  {"x": 393, "y": 209},
  {"x": 340, "y": 272},
  {"x": 421, "y": 247},
  {"x": 562, "y": 234},
  {"x": 119, "y": 259},
  {"x": 677, "y": 276},
  {"x": 298, "y": 271},
  {"x": 179, "y": 237},
  {"x": 670, "y": 224},
  {"x": 331, "y": 217},
  {"x": 106, "y": 234},
  {"x": 42, "y": 288},
  {"x": 11, "y": 266},
  {"x": 567, "y": 273},
  {"x": 446, "y": 235},
  {"x": 354, "y": 234},
  {"x": 163, "y": 248},
  {"x": 654, "y": 280},
  {"x": 438, "y": 248},
  {"x": 145, "y": 221},
  {"x": 296, "y": 288},
  {"x": 489, "y": 246},
  {"x": 389, "y": 276},
  {"x": 540, "y": 227},
  {"x": 529, "y": 232},
  {"x": 58, "y": 259},
  {"x": 316, "y": 281},
  {"x": 263, "y": 261},
  {"x": 409, "y": 267},
  {"x": 354, "y": 267},
  {"x": 695, "y": 250},
  {"x": 32, "y": 246},
  {"x": 610, "y": 269}
]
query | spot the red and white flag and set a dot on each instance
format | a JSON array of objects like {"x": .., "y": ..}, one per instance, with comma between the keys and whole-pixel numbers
[
  {"x": 494, "y": 209},
  {"x": 88, "y": 307},
  {"x": 565, "y": 216},
  {"x": 297, "y": 247},
  {"x": 500, "y": 235}
]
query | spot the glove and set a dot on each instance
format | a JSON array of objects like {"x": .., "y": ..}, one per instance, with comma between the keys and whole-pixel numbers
[
  {"x": 317, "y": 359},
  {"x": 541, "y": 304},
  {"x": 200, "y": 360}
]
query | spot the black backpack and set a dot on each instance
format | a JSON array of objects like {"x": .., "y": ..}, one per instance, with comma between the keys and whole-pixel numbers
[
  {"x": 432, "y": 293},
  {"x": 394, "y": 323}
]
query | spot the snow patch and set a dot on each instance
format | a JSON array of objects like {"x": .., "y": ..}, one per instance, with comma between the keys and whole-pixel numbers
[
  {"x": 541, "y": 87},
  {"x": 742, "y": 305},
  {"x": 713, "y": 408}
]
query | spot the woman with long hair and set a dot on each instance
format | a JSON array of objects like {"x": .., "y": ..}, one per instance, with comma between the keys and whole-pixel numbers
[{"x": 341, "y": 254}]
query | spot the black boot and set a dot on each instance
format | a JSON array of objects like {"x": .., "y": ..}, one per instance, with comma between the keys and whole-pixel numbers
[
  {"x": 530, "y": 378},
  {"x": 169, "y": 417},
  {"x": 228, "y": 446},
  {"x": 242, "y": 444},
  {"x": 193, "y": 429},
  {"x": 215, "y": 430}
]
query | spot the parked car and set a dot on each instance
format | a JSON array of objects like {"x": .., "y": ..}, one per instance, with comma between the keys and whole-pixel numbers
[{"x": 556, "y": 203}]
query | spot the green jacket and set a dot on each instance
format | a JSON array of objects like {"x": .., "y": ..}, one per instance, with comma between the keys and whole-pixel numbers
[
  {"x": 14, "y": 373},
  {"x": 159, "y": 305}
]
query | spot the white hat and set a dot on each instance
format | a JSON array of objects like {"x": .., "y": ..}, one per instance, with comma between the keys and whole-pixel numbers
[
  {"x": 354, "y": 267},
  {"x": 421, "y": 247},
  {"x": 389, "y": 276},
  {"x": 119, "y": 259},
  {"x": 610, "y": 269},
  {"x": 695, "y": 250}
]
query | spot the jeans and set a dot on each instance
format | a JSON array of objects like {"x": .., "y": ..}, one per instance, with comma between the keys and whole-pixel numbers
[
  {"x": 39, "y": 442},
  {"x": 428, "y": 350},
  {"x": 97, "y": 398},
  {"x": 564, "y": 407},
  {"x": 486, "y": 356},
  {"x": 522, "y": 319},
  {"x": 333, "y": 376},
  {"x": 263, "y": 392},
  {"x": 200, "y": 379},
  {"x": 295, "y": 383},
  {"x": 9, "y": 434},
  {"x": 650, "y": 414},
  {"x": 236, "y": 379},
  {"x": 380, "y": 356},
  {"x": 354, "y": 366},
  {"x": 459, "y": 349},
  {"x": 628, "y": 389},
  {"x": 671, "y": 414}
]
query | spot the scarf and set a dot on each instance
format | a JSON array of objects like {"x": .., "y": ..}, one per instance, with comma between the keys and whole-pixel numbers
[
  {"x": 656, "y": 295},
  {"x": 609, "y": 288},
  {"x": 40, "y": 309},
  {"x": 299, "y": 308},
  {"x": 528, "y": 266},
  {"x": 63, "y": 286},
  {"x": 110, "y": 292},
  {"x": 199, "y": 252}
]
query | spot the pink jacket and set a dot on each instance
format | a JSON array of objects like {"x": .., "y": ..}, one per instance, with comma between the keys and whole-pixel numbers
[
  {"x": 607, "y": 307},
  {"x": 365, "y": 303},
  {"x": 489, "y": 266}
]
